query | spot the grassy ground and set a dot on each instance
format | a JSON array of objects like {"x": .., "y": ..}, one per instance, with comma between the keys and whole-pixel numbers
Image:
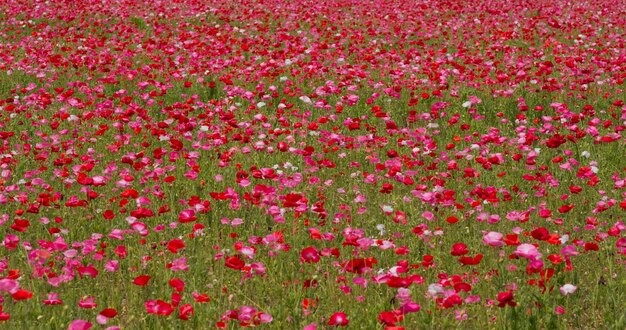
[{"x": 162, "y": 139}]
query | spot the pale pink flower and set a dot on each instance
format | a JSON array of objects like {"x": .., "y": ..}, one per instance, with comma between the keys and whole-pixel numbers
[
  {"x": 567, "y": 289},
  {"x": 527, "y": 251},
  {"x": 493, "y": 238},
  {"x": 179, "y": 264}
]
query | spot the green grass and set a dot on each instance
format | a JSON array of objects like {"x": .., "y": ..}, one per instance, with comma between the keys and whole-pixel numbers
[{"x": 599, "y": 302}]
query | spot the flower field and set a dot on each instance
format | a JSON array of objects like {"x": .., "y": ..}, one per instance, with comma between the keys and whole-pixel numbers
[{"x": 275, "y": 164}]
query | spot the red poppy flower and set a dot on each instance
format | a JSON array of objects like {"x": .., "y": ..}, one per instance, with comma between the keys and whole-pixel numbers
[
  {"x": 339, "y": 319},
  {"x": 459, "y": 249},
  {"x": 175, "y": 245},
  {"x": 142, "y": 280},
  {"x": 466, "y": 260},
  {"x": 187, "y": 216},
  {"x": 185, "y": 311},
  {"x": 359, "y": 265},
  {"x": 309, "y": 255},
  {"x": 22, "y": 294},
  {"x": 506, "y": 298},
  {"x": 389, "y": 318},
  {"x": 177, "y": 284},
  {"x": 235, "y": 262}
]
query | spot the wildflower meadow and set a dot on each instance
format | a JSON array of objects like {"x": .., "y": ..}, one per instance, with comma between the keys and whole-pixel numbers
[{"x": 273, "y": 164}]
